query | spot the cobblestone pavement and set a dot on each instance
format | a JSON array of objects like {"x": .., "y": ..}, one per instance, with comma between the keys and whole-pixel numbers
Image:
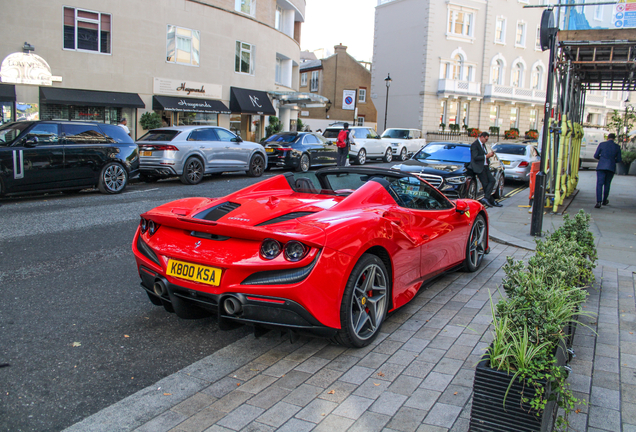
[{"x": 417, "y": 376}]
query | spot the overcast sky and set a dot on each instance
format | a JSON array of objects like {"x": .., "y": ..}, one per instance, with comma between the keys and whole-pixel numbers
[{"x": 330, "y": 22}]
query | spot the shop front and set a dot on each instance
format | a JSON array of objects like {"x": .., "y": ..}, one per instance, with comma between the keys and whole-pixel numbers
[
  {"x": 248, "y": 109},
  {"x": 180, "y": 111},
  {"x": 7, "y": 103},
  {"x": 89, "y": 105}
]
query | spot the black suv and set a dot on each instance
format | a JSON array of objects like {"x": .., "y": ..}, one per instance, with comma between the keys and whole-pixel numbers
[{"x": 40, "y": 156}]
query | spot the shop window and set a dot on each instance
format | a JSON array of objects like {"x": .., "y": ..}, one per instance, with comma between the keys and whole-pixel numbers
[
  {"x": 245, "y": 6},
  {"x": 514, "y": 118},
  {"x": 244, "y": 58},
  {"x": 6, "y": 115},
  {"x": 86, "y": 30},
  {"x": 183, "y": 46}
]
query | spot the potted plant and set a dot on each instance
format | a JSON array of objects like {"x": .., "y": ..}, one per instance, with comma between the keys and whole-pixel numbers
[
  {"x": 494, "y": 130},
  {"x": 442, "y": 126},
  {"x": 512, "y": 133},
  {"x": 454, "y": 127},
  {"x": 150, "y": 120},
  {"x": 520, "y": 382},
  {"x": 473, "y": 132},
  {"x": 628, "y": 156},
  {"x": 532, "y": 134}
]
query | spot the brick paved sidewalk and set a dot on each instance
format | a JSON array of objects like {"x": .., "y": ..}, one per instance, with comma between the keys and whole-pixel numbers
[{"x": 417, "y": 376}]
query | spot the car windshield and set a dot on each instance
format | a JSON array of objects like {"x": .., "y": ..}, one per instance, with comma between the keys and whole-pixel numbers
[
  {"x": 282, "y": 138},
  {"x": 511, "y": 149},
  {"x": 444, "y": 151},
  {"x": 396, "y": 133},
  {"x": 331, "y": 133},
  {"x": 10, "y": 131},
  {"x": 160, "y": 135}
]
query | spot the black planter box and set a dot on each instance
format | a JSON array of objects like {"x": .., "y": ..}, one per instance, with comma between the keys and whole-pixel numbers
[{"x": 488, "y": 412}]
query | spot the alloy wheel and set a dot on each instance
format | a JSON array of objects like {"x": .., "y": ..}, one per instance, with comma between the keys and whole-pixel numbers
[
  {"x": 115, "y": 178},
  {"x": 368, "y": 302},
  {"x": 476, "y": 249}
]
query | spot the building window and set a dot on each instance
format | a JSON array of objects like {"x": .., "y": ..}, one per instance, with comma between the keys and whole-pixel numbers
[
  {"x": 458, "y": 67},
  {"x": 500, "y": 31},
  {"x": 537, "y": 40},
  {"x": 360, "y": 121},
  {"x": 514, "y": 118},
  {"x": 362, "y": 95},
  {"x": 517, "y": 75},
  {"x": 303, "y": 79},
  {"x": 451, "y": 113},
  {"x": 442, "y": 114},
  {"x": 183, "y": 46},
  {"x": 536, "y": 78},
  {"x": 314, "y": 81},
  {"x": 465, "y": 113},
  {"x": 86, "y": 30},
  {"x": 279, "y": 71},
  {"x": 494, "y": 115},
  {"x": 497, "y": 72},
  {"x": 245, "y": 6},
  {"x": 520, "y": 38},
  {"x": 533, "y": 119},
  {"x": 279, "y": 18},
  {"x": 244, "y": 58},
  {"x": 460, "y": 23}
]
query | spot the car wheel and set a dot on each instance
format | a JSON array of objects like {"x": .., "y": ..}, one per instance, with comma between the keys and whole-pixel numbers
[
  {"x": 257, "y": 166},
  {"x": 304, "y": 163},
  {"x": 364, "y": 303},
  {"x": 113, "y": 178},
  {"x": 403, "y": 154},
  {"x": 472, "y": 190},
  {"x": 147, "y": 178},
  {"x": 192, "y": 171},
  {"x": 362, "y": 157},
  {"x": 476, "y": 247},
  {"x": 499, "y": 190},
  {"x": 388, "y": 156}
]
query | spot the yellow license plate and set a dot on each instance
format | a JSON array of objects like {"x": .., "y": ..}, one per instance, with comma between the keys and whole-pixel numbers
[
  {"x": 194, "y": 272},
  {"x": 145, "y": 153},
  {"x": 506, "y": 162},
  {"x": 269, "y": 150}
]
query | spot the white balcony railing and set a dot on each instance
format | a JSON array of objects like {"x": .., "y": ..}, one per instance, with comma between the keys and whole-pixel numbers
[
  {"x": 459, "y": 87},
  {"x": 496, "y": 91},
  {"x": 601, "y": 101}
]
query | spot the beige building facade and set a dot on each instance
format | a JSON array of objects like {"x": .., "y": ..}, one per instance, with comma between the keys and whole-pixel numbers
[
  {"x": 346, "y": 83},
  {"x": 215, "y": 62},
  {"x": 474, "y": 63}
]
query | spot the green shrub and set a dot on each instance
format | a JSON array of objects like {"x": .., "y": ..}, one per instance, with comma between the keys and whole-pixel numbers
[{"x": 150, "y": 120}]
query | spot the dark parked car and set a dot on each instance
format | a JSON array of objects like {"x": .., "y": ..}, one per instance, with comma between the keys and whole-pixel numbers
[
  {"x": 40, "y": 156},
  {"x": 445, "y": 166},
  {"x": 300, "y": 150}
]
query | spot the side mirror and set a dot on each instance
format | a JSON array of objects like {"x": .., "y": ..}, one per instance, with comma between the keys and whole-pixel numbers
[
  {"x": 31, "y": 141},
  {"x": 461, "y": 206},
  {"x": 237, "y": 139}
]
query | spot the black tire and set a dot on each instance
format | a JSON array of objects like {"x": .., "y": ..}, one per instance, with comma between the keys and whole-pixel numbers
[
  {"x": 476, "y": 246},
  {"x": 257, "y": 166},
  {"x": 362, "y": 157},
  {"x": 113, "y": 178},
  {"x": 498, "y": 193},
  {"x": 192, "y": 171},
  {"x": 388, "y": 156},
  {"x": 472, "y": 190},
  {"x": 148, "y": 178},
  {"x": 404, "y": 154},
  {"x": 361, "y": 314},
  {"x": 304, "y": 164}
]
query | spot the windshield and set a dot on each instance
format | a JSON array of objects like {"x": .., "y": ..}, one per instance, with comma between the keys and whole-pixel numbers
[
  {"x": 510, "y": 149},
  {"x": 444, "y": 151},
  {"x": 396, "y": 133},
  {"x": 160, "y": 135},
  {"x": 331, "y": 133},
  {"x": 10, "y": 131},
  {"x": 282, "y": 138}
]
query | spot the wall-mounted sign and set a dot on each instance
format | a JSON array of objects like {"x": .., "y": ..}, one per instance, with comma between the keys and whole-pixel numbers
[
  {"x": 183, "y": 88},
  {"x": 348, "y": 99},
  {"x": 26, "y": 68},
  {"x": 304, "y": 113}
]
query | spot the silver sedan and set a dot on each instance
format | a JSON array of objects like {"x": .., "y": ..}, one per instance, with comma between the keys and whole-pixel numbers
[
  {"x": 517, "y": 159},
  {"x": 190, "y": 152}
]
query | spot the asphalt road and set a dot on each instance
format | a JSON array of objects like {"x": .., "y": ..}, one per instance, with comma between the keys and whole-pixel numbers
[{"x": 77, "y": 332}]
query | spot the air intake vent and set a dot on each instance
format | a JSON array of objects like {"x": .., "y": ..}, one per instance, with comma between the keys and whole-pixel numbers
[
  {"x": 217, "y": 212},
  {"x": 284, "y": 218}
]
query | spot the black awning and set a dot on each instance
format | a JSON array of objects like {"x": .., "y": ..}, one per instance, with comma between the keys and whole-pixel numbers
[
  {"x": 7, "y": 93},
  {"x": 60, "y": 96},
  {"x": 168, "y": 103},
  {"x": 250, "y": 102}
]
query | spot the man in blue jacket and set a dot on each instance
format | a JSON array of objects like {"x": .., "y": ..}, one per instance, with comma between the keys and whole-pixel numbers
[{"x": 608, "y": 154}]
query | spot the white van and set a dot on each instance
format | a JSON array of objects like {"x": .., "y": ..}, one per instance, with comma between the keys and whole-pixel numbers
[{"x": 591, "y": 139}]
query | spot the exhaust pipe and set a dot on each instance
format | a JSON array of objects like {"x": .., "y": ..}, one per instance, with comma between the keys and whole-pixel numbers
[
  {"x": 160, "y": 288},
  {"x": 232, "y": 306}
]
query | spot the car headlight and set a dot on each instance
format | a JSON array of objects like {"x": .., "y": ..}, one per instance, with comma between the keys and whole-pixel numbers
[
  {"x": 395, "y": 144},
  {"x": 456, "y": 180},
  {"x": 295, "y": 251},
  {"x": 270, "y": 249}
]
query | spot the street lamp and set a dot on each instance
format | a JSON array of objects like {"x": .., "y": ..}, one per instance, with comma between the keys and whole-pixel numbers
[{"x": 387, "y": 81}]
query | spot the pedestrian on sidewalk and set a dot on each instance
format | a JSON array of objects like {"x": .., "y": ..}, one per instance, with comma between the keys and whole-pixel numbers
[
  {"x": 122, "y": 124},
  {"x": 480, "y": 165},
  {"x": 608, "y": 154},
  {"x": 343, "y": 145}
]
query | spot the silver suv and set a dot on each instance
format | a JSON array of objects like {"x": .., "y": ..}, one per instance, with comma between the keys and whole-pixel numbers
[{"x": 365, "y": 144}]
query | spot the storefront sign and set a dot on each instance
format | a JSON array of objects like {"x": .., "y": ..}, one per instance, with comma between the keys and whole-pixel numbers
[
  {"x": 191, "y": 89},
  {"x": 348, "y": 99},
  {"x": 26, "y": 68}
]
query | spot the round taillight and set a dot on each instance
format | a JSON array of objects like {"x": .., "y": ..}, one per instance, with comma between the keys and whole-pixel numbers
[
  {"x": 295, "y": 251},
  {"x": 143, "y": 223},
  {"x": 270, "y": 249},
  {"x": 152, "y": 227}
]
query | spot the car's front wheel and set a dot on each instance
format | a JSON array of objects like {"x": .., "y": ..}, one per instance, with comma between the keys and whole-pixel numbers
[
  {"x": 364, "y": 303},
  {"x": 304, "y": 163},
  {"x": 362, "y": 157},
  {"x": 388, "y": 156},
  {"x": 476, "y": 247},
  {"x": 113, "y": 178},
  {"x": 257, "y": 166},
  {"x": 472, "y": 190},
  {"x": 192, "y": 171},
  {"x": 403, "y": 154}
]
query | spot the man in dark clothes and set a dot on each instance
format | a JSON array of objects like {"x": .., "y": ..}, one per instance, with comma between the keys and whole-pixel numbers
[
  {"x": 479, "y": 164},
  {"x": 608, "y": 154}
]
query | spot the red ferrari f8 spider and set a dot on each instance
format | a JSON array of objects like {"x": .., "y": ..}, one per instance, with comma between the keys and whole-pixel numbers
[{"x": 327, "y": 253}]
